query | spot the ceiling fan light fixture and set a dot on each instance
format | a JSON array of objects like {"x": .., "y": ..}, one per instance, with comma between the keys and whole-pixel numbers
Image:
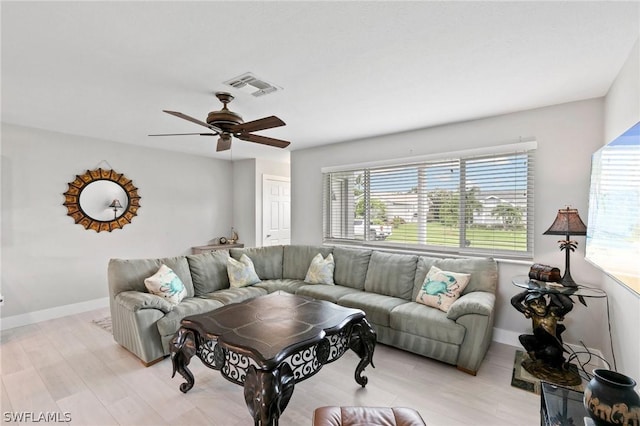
[{"x": 250, "y": 84}]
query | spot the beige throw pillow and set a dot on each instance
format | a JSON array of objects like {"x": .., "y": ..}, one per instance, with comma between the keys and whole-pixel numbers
[
  {"x": 241, "y": 273},
  {"x": 321, "y": 270},
  {"x": 441, "y": 288},
  {"x": 166, "y": 284}
]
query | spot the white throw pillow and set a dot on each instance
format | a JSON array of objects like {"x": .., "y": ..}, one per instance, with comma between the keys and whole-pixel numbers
[
  {"x": 166, "y": 284},
  {"x": 441, "y": 288},
  {"x": 241, "y": 273},
  {"x": 321, "y": 270}
]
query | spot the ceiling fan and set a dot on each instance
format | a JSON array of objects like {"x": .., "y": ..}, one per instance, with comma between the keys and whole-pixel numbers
[{"x": 226, "y": 123}]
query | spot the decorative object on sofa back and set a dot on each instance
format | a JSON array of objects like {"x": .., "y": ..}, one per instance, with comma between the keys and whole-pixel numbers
[
  {"x": 94, "y": 196},
  {"x": 233, "y": 239}
]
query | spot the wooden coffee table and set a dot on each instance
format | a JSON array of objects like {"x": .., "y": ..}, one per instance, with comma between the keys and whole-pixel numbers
[{"x": 269, "y": 343}]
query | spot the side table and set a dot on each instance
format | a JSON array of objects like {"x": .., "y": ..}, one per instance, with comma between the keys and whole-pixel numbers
[
  {"x": 560, "y": 406},
  {"x": 204, "y": 249},
  {"x": 547, "y": 304}
]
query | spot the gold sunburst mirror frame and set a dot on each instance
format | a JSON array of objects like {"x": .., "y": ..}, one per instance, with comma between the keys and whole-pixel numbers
[{"x": 90, "y": 221}]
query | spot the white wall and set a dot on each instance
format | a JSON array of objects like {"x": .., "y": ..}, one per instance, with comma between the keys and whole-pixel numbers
[
  {"x": 567, "y": 135},
  {"x": 244, "y": 201},
  {"x": 48, "y": 261},
  {"x": 622, "y": 110},
  {"x": 247, "y": 204}
]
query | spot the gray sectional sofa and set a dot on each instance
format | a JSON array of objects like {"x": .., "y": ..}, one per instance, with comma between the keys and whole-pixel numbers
[{"x": 384, "y": 285}]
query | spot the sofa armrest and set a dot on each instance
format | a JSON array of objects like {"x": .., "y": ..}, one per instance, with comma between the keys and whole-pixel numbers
[
  {"x": 476, "y": 302},
  {"x": 136, "y": 300},
  {"x": 475, "y": 312}
]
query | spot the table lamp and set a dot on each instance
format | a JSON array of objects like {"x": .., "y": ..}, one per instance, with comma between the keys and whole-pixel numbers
[
  {"x": 115, "y": 205},
  {"x": 567, "y": 223}
]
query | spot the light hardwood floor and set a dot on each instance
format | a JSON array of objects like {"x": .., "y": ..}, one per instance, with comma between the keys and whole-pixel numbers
[{"x": 71, "y": 365}]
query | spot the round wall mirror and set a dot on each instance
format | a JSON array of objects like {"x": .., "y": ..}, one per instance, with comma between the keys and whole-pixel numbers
[{"x": 102, "y": 200}]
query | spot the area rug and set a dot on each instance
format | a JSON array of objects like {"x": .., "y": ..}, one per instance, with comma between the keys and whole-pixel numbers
[
  {"x": 104, "y": 323},
  {"x": 521, "y": 378}
]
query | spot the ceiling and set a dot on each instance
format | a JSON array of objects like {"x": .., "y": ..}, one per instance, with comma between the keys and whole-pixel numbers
[{"x": 348, "y": 70}]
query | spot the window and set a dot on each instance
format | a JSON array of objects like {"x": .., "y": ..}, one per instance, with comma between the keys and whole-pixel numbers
[{"x": 468, "y": 204}]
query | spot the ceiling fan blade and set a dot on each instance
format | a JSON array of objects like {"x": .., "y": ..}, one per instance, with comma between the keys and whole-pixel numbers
[
  {"x": 260, "y": 124},
  {"x": 185, "y": 134},
  {"x": 224, "y": 143},
  {"x": 278, "y": 143},
  {"x": 193, "y": 120}
]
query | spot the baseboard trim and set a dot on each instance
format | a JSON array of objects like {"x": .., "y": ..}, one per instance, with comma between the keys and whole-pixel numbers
[
  {"x": 507, "y": 337},
  {"x": 52, "y": 313}
]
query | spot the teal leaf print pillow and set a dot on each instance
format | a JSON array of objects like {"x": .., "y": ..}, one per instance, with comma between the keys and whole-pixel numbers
[
  {"x": 441, "y": 288},
  {"x": 166, "y": 284},
  {"x": 321, "y": 270},
  {"x": 241, "y": 272}
]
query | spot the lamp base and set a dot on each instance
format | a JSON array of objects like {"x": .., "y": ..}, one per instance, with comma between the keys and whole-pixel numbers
[{"x": 567, "y": 281}]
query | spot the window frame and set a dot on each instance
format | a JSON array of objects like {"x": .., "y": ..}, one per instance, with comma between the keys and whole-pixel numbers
[{"x": 463, "y": 157}]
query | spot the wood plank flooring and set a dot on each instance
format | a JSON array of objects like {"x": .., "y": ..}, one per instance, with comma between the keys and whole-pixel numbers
[{"x": 70, "y": 365}]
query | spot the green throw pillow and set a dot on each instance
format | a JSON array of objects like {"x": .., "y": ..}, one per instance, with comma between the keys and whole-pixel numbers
[
  {"x": 241, "y": 273},
  {"x": 441, "y": 288}
]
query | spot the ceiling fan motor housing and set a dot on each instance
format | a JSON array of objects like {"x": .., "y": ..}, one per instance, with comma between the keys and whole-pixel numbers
[{"x": 224, "y": 117}]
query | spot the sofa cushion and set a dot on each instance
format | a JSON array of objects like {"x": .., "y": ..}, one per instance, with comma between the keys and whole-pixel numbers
[
  {"x": 484, "y": 272},
  {"x": 377, "y": 307},
  {"x": 330, "y": 293},
  {"x": 234, "y": 295},
  {"x": 298, "y": 258},
  {"x": 267, "y": 260},
  {"x": 442, "y": 288},
  {"x": 351, "y": 266},
  {"x": 129, "y": 274},
  {"x": 425, "y": 321},
  {"x": 391, "y": 274},
  {"x": 166, "y": 284},
  {"x": 241, "y": 272},
  {"x": 321, "y": 270},
  {"x": 170, "y": 323},
  {"x": 209, "y": 271},
  {"x": 285, "y": 284}
]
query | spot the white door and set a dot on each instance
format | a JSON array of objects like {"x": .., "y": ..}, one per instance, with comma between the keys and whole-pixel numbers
[{"x": 276, "y": 211}]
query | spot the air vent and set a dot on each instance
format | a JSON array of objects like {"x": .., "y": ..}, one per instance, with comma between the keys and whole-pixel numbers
[{"x": 253, "y": 85}]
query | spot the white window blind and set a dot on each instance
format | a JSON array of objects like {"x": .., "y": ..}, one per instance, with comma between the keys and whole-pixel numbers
[{"x": 461, "y": 205}]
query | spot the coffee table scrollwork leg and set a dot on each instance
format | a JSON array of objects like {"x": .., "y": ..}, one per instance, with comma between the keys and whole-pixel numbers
[
  {"x": 267, "y": 393},
  {"x": 183, "y": 347},
  {"x": 363, "y": 343}
]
